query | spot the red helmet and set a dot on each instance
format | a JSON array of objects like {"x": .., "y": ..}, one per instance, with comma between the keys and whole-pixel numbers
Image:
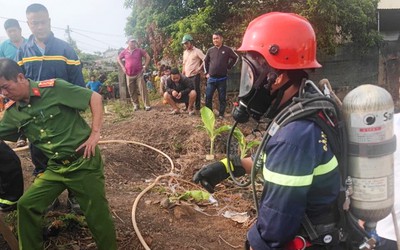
[{"x": 285, "y": 40}]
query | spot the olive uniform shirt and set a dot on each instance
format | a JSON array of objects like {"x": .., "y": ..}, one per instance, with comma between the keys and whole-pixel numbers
[{"x": 50, "y": 119}]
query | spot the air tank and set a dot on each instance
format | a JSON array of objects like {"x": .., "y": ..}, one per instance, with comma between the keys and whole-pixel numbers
[{"x": 368, "y": 111}]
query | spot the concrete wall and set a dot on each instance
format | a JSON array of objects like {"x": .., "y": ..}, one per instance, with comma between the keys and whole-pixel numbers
[
  {"x": 389, "y": 67},
  {"x": 348, "y": 67}
]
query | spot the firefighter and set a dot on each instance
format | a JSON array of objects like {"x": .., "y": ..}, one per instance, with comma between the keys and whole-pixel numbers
[{"x": 300, "y": 162}]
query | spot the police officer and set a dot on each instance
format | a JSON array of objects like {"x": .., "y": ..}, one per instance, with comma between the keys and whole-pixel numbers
[
  {"x": 300, "y": 168},
  {"x": 48, "y": 114}
]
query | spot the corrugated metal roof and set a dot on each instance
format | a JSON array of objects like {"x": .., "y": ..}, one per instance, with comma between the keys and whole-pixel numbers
[{"x": 388, "y": 4}]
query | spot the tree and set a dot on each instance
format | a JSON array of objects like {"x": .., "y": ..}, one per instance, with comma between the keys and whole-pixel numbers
[
  {"x": 340, "y": 21},
  {"x": 161, "y": 24}
]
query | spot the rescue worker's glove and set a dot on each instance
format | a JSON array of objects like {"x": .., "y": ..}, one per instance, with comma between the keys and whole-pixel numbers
[{"x": 212, "y": 174}]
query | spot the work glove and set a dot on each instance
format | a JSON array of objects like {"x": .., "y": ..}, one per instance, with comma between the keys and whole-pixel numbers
[{"x": 212, "y": 174}]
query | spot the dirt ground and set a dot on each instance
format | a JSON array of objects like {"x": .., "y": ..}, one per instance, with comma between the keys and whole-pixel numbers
[{"x": 163, "y": 220}]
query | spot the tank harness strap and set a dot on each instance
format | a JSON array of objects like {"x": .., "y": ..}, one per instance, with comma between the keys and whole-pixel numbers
[
  {"x": 324, "y": 234},
  {"x": 309, "y": 228},
  {"x": 334, "y": 234}
]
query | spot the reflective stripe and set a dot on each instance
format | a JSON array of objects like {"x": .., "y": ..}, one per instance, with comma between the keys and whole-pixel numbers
[
  {"x": 287, "y": 180},
  {"x": 299, "y": 181},
  {"x": 327, "y": 167},
  {"x": 48, "y": 58},
  {"x": 7, "y": 202},
  {"x": 225, "y": 162}
]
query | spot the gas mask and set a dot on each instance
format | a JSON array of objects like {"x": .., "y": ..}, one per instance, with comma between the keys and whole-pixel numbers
[{"x": 255, "y": 88}]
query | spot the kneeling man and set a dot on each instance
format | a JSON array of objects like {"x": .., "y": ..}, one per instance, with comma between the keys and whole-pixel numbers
[{"x": 180, "y": 90}]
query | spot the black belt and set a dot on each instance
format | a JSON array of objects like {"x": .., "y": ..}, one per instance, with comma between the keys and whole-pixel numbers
[{"x": 67, "y": 160}]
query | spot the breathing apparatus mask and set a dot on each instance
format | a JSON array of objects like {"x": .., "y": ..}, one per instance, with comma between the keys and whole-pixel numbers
[{"x": 256, "y": 80}]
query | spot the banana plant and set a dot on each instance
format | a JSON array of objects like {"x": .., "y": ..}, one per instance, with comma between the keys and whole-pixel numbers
[
  {"x": 208, "y": 118},
  {"x": 244, "y": 146}
]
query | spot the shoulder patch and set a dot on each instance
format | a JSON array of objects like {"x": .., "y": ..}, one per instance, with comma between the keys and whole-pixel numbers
[
  {"x": 9, "y": 104},
  {"x": 47, "y": 83}
]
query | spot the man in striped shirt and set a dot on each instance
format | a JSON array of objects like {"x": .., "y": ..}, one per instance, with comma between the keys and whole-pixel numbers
[{"x": 45, "y": 56}]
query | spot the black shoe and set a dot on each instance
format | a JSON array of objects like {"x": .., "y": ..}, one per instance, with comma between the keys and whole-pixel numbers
[
  {"x": 73, "y": 204},
  {"x": 7, "y": 207}
]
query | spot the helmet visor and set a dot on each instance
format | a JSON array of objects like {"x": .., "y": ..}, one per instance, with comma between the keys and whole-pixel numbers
[{"x": 247, "y": 77}]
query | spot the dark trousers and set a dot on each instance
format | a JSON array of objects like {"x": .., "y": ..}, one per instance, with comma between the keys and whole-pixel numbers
[
  {"x": 219, "y": 85},
  {"x": 196, "y": 83},
  {"x": 11, "y": 179}
]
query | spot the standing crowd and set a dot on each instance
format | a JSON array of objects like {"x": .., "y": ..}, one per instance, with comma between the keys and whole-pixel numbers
[{"x": 185, "y": 86}]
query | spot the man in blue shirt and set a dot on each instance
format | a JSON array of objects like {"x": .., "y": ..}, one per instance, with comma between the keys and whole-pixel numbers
[
  {"x": 10, "y": 46},
  {"x": 93, "y": 84}
]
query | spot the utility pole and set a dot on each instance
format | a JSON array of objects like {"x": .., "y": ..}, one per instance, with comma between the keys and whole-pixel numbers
[
  {"x": 70, "y": 40},
  {"x": 68, "y": 32}
]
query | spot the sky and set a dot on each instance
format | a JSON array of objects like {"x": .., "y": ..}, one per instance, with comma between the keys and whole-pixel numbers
[{"x": 95, "y": 25}]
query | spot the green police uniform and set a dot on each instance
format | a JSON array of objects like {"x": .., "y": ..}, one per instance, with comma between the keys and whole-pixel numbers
[{"x": 52, "y": 123}]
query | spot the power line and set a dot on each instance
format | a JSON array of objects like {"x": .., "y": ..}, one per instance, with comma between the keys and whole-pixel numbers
[
  {"x": 91, "y": 45},
  {"x": 72, "y": 28},
  {"x": 98, "y": 33},
  {"x": 91, "y": 38}
]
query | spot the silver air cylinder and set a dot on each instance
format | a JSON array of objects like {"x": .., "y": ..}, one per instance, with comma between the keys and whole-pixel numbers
[{"x": 368, "y": 112}]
